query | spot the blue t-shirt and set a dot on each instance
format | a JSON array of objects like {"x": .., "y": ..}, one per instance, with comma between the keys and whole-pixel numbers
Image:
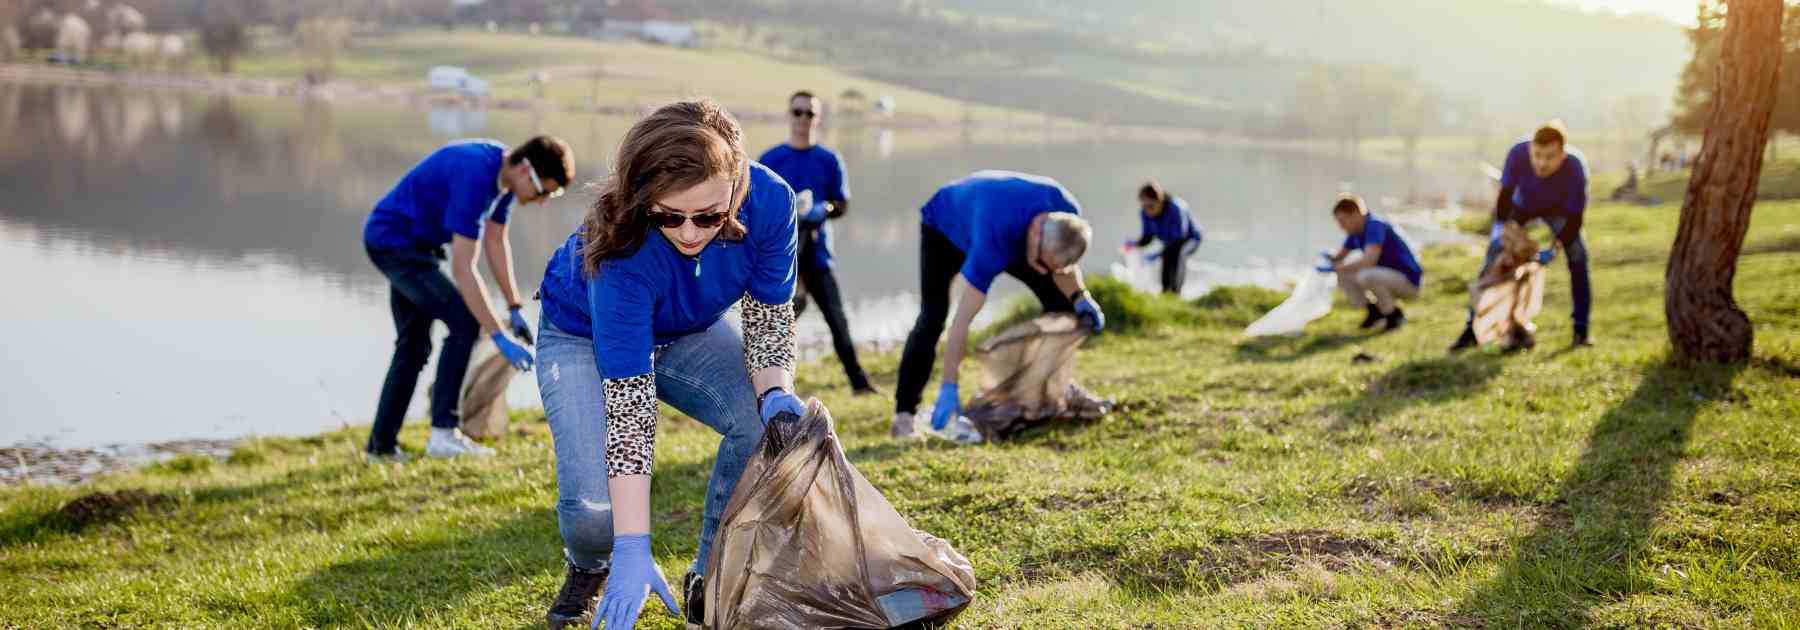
[
  {"x": 1174, "y": 225},
  {"x": 821, "y": 171},
  {"x": 988, "y": 214},
  {"x": 454, "y": 191},
  {"x": 1395, "y": 254},
  {"x": 1563, "y": 193},
  {"x": 656, "y": 294}
]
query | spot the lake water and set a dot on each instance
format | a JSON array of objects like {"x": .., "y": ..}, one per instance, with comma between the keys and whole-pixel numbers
[{"x": 190, "y": 266}]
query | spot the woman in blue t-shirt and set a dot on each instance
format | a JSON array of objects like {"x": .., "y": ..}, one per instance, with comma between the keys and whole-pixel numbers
[
  {"x": 1166, "y": 218},
  {"x": 634, "y": 304}
]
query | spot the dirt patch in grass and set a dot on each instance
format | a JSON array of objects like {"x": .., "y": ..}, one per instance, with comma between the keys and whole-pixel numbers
[{"x": 109, "y": 507}]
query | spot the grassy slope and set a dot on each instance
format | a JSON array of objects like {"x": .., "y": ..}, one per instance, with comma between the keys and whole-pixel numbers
[
  {"x": 632, "y": 74},
  {"x": 1258, "y": 483}
]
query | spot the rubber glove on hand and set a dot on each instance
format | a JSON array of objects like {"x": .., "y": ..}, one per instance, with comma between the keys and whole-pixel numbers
[
  {"x": 779, "y": 401},
  {"x": 515, "y": 354},
  {"x": 521, "y": 329},
  {"x": 1153, "y": 256},
  {"x": 634, "y": 576},
  {"x": 1090, "y": 314},
  {"x": 1546, "y": 255},
  {"x": 1329, "y": 266},
  {"x": 948, "y": 405}
]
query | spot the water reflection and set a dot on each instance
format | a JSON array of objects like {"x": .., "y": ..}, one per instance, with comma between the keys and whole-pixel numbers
[{"x": 198, "y": 268}]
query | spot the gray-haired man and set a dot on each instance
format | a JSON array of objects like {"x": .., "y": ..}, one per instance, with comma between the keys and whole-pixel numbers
[{"x": 973, "y": 229}]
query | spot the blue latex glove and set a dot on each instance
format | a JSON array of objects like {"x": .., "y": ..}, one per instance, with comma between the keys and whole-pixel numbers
[
  {"x": 516, "y": 354},
  {"x": 1153, "y": 256},
  {"x": 1329, "y": 266},
  {"x": 817, "y": 213},
  {"x": 1546, "y": 255},
  {"x": 521, "y": 329},
  {"x": 1090, "y": 314},
  {"x": 634, "y": 576},
  {"x": 779, "y": 401},
  {"x": 948, "y": 405}
]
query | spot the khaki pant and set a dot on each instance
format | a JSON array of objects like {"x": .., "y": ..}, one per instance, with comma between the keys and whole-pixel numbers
[{"x": 1377, "y": 285}]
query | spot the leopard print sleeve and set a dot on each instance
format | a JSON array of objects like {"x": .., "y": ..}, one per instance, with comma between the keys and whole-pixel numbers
[
  {"x": 630, "y": 425},
  {"x": 768, "y": 334}
]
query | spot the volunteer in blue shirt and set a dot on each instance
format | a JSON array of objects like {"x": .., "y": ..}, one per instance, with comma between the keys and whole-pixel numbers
[
  {"x": 972, "y": 230},
  {"x": 461, "y": 196},
  {"x": 634, "y": 309},
  {"x": 1545, "y": 180},
  {"x": 1166, "y": 218},
  {"x": 1387, "y": 270},
  {"x": 817, "y": 175}
]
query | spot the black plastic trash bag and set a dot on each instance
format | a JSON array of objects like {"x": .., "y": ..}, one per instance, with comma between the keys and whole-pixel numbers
[
  {"x": 806, "y": 542},
  {"x": 1028, "y": 377}
]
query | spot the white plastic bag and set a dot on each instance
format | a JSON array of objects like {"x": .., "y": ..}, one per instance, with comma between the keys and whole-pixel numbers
[{"x": 1310, "y": 300}]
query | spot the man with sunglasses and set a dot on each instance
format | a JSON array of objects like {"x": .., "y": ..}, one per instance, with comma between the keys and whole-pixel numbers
[
  {"x": 461, "y": 195},
  {"x": 817, "y": 174},
  {"x": 972, "y": 230}
]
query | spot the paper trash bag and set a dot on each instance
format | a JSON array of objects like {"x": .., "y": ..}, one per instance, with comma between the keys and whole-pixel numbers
[
  {"x": 1511, "y": 293},
  {"x": 484, "y": 411},
  {"x": 806, "y": 542},
  {"x": 1028, "y": 376}
]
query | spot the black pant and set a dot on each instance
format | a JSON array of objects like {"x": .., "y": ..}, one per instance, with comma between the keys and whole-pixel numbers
[
  {"x": 420, "y": 293},
  {"x": 939, "y": 262},
  {"x": 821, "y": 285},
  {"x": 1174, "y": 266}
]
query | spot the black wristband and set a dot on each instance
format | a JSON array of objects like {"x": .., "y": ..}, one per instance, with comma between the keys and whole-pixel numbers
[
  {"x": 1077, "y": 295},
  {"x": 514, "y": 306},
  {"x": 765, "y": 394}
]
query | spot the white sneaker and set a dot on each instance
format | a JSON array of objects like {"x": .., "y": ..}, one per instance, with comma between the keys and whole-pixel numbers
[
  {"x": 961, "y": 431},
  {"x": 453, "y": 443},
  {"x": 904, "y": 427}
]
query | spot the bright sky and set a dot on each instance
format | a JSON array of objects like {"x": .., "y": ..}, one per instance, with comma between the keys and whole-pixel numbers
[{"x": 1679, "y": 11}]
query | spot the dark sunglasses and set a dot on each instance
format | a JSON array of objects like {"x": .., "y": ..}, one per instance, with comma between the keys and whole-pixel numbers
[
  {"x": 673, "y": 220},
  {"x": 804, "y": 113}
]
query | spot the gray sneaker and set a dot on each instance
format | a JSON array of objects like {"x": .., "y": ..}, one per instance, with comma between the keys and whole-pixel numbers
[{"x": 378, "y": 459}]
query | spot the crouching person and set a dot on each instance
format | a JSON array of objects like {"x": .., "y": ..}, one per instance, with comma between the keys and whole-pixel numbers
[{"x": 1387, "y": 271}]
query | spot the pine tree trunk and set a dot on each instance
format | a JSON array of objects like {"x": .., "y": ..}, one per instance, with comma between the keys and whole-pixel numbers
[{"x": 1705, "y": 322}]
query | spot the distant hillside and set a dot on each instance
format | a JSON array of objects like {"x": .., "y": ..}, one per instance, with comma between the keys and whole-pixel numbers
[{"x": 1222, "y": 63}]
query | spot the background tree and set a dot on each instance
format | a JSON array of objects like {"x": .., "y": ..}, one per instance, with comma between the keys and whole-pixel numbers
[
  {"x": 224, "y": 32},
  {"x": 1705, "y": 322}
]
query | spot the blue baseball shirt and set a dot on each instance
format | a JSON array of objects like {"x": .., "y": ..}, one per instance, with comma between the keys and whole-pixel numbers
[
  {"x": 988, "y": 214},
  {"x": 455, "y": 190},
  {"x": 821, "y": 171},
  {"x": 655, "y": 295},
  {"x": 1563, "y": 193},
  {"x": 1174, "y": 225},
  {"x": 1395, "y": 253}
]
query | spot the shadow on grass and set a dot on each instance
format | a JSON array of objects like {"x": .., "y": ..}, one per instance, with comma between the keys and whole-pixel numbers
[
  {"x": 414, "y": 576},
  {"x": 1424, "y": 381},
  {"x": 1605, "y": 510},
  {"x": 1289, "y": 349}
]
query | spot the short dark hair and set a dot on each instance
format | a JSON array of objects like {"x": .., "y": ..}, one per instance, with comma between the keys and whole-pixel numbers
[
  {"x": 1551, "y": 132},
  {"x": 1348, "y": 203},
  {"x": 800, "y": 93},
  {"x": 550, "y": 157},
  {"x": 1151, "y": 190}
]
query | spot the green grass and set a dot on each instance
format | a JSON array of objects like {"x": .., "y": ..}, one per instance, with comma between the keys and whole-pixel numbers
[
  {"x": 588, "y": 72},
  {"x": 1780, "y": 180},
  {"x": 1240, "y": 483}
]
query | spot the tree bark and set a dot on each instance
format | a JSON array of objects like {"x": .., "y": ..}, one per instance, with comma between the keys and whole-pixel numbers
[{"x": 1705, "y": 323}]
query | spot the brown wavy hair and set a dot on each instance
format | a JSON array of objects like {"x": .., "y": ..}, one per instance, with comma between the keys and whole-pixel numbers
[{"x": 677, "y": 147}]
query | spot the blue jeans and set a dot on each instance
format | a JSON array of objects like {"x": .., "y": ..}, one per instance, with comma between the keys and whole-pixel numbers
[
  {"x": 701, "y": 375},
  {"x": 420, "y": 293},
  {"x": 1577, "y": 255}
]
